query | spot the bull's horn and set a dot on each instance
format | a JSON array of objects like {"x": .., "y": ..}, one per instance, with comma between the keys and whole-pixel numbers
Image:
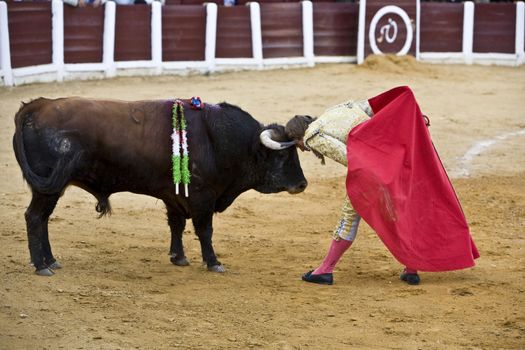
[{"x": 267, "y": 140}]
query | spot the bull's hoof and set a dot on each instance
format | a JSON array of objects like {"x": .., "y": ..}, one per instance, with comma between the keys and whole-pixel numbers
[
  {"x": 179, "y": 261},
  {"x": 55, "y": 266},
  {"x": 45, "y": 272},
  {"x": 217, "y": 268}
]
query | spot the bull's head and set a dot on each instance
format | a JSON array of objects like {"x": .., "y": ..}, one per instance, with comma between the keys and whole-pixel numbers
[{"x": 282, "y": 170}]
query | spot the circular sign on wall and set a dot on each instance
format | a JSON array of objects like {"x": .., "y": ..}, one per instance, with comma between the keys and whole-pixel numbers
[{"x": 390, "y": 31}]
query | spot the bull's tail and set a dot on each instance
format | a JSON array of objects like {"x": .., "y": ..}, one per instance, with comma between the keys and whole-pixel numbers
[{"x": 62, "y": 170}]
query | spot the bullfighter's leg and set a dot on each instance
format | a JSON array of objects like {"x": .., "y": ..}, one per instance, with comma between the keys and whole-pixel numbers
[
  {"x": 410, "y": 276},
  {"x": 37, "y": 217},
  {"x": 343, "y": 237},
  {"x": 202, "y": 221},
  {"x": 177, "y": 224}
]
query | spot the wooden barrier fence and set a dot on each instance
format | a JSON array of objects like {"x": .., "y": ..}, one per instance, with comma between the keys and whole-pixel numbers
[{"x": 50, "y": 41}]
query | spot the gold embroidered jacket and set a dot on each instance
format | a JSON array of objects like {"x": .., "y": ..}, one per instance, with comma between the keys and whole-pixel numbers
[{"x": 327, "y": 135}]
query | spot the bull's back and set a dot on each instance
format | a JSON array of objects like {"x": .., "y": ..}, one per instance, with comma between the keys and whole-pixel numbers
[
  {"x": 115, "y": 145},
  {"x": 112, "y": 126}
]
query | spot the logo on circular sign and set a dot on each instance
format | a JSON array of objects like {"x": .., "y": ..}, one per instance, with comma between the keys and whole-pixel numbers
[{"x": 389, "y": 31}]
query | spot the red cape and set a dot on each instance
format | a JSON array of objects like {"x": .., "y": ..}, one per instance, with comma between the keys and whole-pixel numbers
[{"x": 397, "y": 183}]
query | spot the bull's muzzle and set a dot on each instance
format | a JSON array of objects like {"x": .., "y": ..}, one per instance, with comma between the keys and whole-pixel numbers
[{"x": 299, "y": 188}]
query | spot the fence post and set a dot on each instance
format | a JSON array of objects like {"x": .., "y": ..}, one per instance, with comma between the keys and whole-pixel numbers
[
  {"x": 156, "y": 36},
  {"x": 308, "y": 32},
  {"x": 255, "y": 21},
  {"x": 108, "y": 45},
  {"x": 361, "y": 32},
  {"x": 5, "y": 59},
  {"x": 468, "y": 31},
  {"x": 211, "y": 35},
  {"x": 418, "y": 24},
  {"x": 520, "y": 28},
  {"x": 57, "y": 30}
]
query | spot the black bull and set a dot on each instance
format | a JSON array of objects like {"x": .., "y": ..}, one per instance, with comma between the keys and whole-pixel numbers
[{"x": 106, "y": 147}]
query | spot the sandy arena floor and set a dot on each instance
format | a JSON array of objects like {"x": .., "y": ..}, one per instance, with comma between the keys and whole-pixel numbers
[{"x": 118, "y": 290}]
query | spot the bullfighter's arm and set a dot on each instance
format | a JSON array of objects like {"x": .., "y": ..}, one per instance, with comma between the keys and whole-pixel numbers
[
  {"x": 328, "y": 146},
  {"x": 365, "y": 106}
]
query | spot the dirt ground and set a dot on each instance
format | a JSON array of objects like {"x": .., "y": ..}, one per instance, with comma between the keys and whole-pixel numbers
[{"x": 118, "y": 289}]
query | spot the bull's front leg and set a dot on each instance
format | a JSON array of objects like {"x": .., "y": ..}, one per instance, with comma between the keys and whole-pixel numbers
[
  {"x": 177, "y": 224},
  {"x": 202, "y": 221}
]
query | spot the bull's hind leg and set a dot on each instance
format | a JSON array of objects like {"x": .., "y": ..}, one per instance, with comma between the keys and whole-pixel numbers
[
  {"x": 37, "y": 217},
  {"x": 177, "y": 224},
  {"x": 49, "y": 259}
]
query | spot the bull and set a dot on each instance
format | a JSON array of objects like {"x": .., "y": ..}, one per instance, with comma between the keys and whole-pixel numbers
[{"x": 109, "y": 146}]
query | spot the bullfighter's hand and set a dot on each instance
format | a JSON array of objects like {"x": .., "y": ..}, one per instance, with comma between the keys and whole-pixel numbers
[{"x": 301, "y": 146}]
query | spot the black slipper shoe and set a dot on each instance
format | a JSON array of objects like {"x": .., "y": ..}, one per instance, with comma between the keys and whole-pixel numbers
[
  {"x": 323, "y": 278},
  {"x": 410, "y": 278}
]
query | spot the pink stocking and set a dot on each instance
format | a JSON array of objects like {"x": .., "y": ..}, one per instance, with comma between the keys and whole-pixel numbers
[
  {"x": 410, "y": 271},
  {"x": 335, "y": 252}
]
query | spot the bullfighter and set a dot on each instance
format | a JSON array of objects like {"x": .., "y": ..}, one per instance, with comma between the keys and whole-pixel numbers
[{"x": 395, "y": 182}]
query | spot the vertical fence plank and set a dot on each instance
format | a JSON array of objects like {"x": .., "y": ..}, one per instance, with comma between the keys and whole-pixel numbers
[
  {"x": 308, "y": 32},
  {"x": 441, "y": 28},
  {"x": 255, "y": 19},
  {"x": 57, "y": 30},
  {"x": 335, "y": 29},
  {"x": 156, "y": 36},
  {"x": 5, "y": 51},
  {"x": 494, "y": 28},
  {"x": 183, "y": 33},
  {"x": 282, "y": 34},
  {"x": 83, "y": 34},
  {"x": 520, "y": 31},
  {"x": 234, "y": 32},
  {"x": 108, "y": 53},
  {"x": 133, "y": 33},
  {"x": 30, "y": 45},
  {"x": 361, "y": 32},
  {"x": 211, "y": 35},
  {"x": 468, "y": 31}
]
